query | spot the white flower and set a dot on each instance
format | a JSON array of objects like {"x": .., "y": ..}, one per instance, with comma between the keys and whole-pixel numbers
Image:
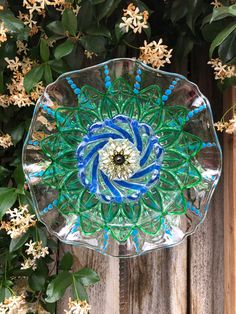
[
  {"x": 119, "y": 159},
  {"x": 155, "y": 53},
  {"x": 5, "y": 141},
  {"x": 78, "y": 307},
  {"x": 134, "y": 19}
]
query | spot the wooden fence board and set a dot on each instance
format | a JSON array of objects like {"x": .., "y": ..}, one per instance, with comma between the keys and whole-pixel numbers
[
  {"x": 230, "y": 212},
  {"x": 206, "y": 249}
]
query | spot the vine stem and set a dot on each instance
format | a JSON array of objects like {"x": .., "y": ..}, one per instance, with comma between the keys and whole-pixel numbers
[
  {"x": 129, "y": 45},
  {"x": 227, "y": 111}
]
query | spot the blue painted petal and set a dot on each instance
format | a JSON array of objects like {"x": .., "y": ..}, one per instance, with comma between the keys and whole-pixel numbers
[
  {"x": 132, "y": 186},
  {"x": 148, "y": 151},
  {"x": 145, "y": 171},
  {"x": 93, "y": 186},
  {"x": 111, "y": 187},
  {"x": 125, "y": 134},
  {"x": 103, "y": 136},
  {"x": 135, "y": 128},
  {"x": 93, "y": 151}
]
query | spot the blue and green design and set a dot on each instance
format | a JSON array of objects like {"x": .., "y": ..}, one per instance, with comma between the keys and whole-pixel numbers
[{"x": 121, "y": 207}]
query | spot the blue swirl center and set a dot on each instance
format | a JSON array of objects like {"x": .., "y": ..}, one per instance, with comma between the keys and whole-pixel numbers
[{"x": 126, "y": 140}]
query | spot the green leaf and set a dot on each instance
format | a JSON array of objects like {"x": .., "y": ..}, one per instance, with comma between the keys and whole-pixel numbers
[
  {"x": 47, "y": 73},
  {"x": 58, "y": 286},
  {"x": 69, "y": 22},
  {"x": 17, "y": 132},
  {"x": 105, "y": 8},
  {"x": 58, "y": 66},
  {"x": 78, "y": 290},
  {"x": 221, "y": 37},
  {"x": 18, "y": 242},
  {"x": 38, "y": 279},
  {"x": 94, "y": 2},
  {"x": 13, "y": 24},
  {"x": 100, "y": 30},
  {"x": 7, "y": 199},
  {"x": 42, "y": 236},
  {"x": 44, "y": 50},
  {"x": 66, "y": 261},
  {"x": 119, "y": 32},
  {"x": 18, "y": 175},
  {"x": 222, "y": 12},
  {"x": 85, "y": 16},
  {"x": 87, "y": 276},
  {"x": 56, "y": 27},
  {"x": 63, "y": 49},
  {"x": 4, "y": 172},
  {"x": 178, "y": 11},
  {"x": 33, "y": 77},
  {"x": 96, "y": 44},
  {"x": 227, "y": 50},
  {"x": 4, "y": 294}
]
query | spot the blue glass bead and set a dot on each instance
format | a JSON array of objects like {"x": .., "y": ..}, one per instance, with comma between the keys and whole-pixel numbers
[
  {"x": 139, "y": 71},
  {"x": 136, "y": 91},
  {"x": 137, "y": 85},
  {"x": 106, "y": 66},
  {"x": 174, "y": 82},
  {"x": 168, "y": 92},
  {"x": 73, "y": 86},
  {"x": 55, "y": 202},
  {"x": 41, "y": 172},
  {"x": 138, "y": 78},
  {"x": 67, "y": 78},
  {"x": 45, "y": 107},
  {"x": 164, "y": 98},
  {"x": 108, "y": 84},
  {"x": 70, "y": 82},
  {"x": 50, "y": 206},
  {"x": 171, "y": 87},
  {"x": 190, "y": 114},
  {"x": 204, "y": 145},
  {"x": 196, "y": 110},
  {"x": 107, "y": 78},
  {"x": 77, "y": 91}
]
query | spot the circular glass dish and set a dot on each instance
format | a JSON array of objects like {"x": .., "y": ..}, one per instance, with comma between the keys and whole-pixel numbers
[{"x": 122, "y": 158}]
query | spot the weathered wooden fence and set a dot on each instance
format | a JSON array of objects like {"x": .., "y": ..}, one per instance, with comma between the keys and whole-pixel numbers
[{"x": 188, "y": 278}]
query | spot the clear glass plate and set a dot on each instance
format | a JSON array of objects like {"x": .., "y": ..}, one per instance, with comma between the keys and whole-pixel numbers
[{"x": 122, "y": 158}]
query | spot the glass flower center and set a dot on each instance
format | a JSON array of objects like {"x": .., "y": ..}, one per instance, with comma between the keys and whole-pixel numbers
[{"x": 119, "y": 159}]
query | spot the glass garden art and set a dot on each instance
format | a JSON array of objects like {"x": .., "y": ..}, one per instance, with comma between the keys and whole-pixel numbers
[{"x": 122, "y": 158}]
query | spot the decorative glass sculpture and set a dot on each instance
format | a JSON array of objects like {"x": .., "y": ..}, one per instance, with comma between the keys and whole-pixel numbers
[{"x": 122, "y": 158}]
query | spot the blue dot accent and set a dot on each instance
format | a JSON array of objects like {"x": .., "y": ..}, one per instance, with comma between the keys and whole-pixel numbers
[
  {"x": 195, "y": 111},
  {"x": 77, "y": 91},
  {"x": 107, "y": 84},
  {"x": 194, "y": 209},
  {"x": 107, "y": 77},
  {"x": 169, "y": 90},
  {"x": 73, "y": 86},
  {"x": 49, "y": 207}
]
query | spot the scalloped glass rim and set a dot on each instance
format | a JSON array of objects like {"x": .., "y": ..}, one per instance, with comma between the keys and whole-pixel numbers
[{"x": 122, "y": 249}]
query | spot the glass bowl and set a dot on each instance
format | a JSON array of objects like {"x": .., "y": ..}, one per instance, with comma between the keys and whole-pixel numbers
[{"x": 122, "y": 158}]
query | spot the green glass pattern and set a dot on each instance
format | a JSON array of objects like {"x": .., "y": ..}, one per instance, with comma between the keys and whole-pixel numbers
[{"x": 148, "y": 203}]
